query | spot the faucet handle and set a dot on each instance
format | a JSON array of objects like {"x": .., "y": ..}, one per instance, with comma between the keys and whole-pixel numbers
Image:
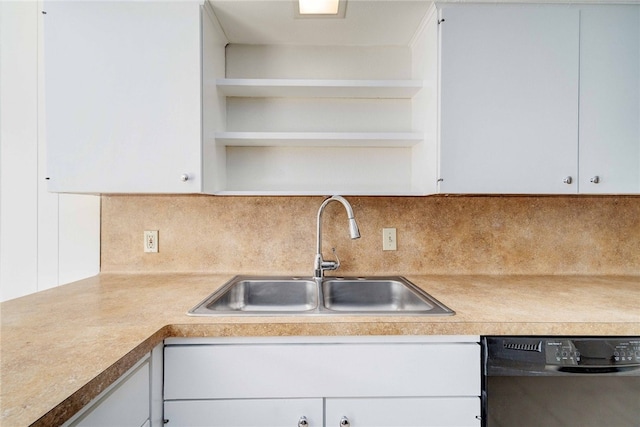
[
  {"x": 337, "y": 263},
  {"x": 331, "y": 265}
]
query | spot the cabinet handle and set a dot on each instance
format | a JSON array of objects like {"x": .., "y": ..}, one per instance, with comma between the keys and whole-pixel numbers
[
  {"x": 302, "y": 422},
  {"x": 595, "y": 179},
  {"x": 344, "y": 422},
  {"x": 184, "y": 177},
  {"x": 567, "y": 180}
]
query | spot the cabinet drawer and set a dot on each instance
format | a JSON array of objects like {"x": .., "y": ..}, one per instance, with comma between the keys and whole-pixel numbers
[
  {"x": 245, "y": 412},
  {"x": 327, "y": 370},
  {"x": 406, "y": 412}
]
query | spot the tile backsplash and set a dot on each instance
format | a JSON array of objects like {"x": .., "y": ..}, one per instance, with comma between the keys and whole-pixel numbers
[{"x": 435, "y": 235}]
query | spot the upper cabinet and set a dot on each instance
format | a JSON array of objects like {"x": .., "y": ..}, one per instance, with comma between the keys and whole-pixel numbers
[
  {"x": 123, "y": 97},
  {"x": 170, "y": 97},
  {"x": 540, "y": 99},
  {"x": 609, "y": 132},
  {"x": 509, "y": 99},
  {"x": 398, "y": 98}
]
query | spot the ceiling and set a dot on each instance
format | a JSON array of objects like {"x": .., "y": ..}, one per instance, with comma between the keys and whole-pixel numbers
[{"x": 367, "y": 23}]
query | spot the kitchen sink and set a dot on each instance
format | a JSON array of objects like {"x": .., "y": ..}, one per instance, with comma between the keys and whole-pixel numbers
[{"x": 261, "y": 295}]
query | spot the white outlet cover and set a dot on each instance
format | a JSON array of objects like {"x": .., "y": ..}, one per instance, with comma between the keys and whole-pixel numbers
[
  {"x": 389, "y": 242},
  {"x": 151, "y": 241}
]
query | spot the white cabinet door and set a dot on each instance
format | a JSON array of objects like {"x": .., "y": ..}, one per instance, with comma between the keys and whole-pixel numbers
[
  {"x": 509, "y": 99},
  {"x": 122, "y": 88},
  {"x": 133, "y": 400},
  {"x": 610, "y": 99},
  {"x": 405, "y": 412},
  {"x": 125, "y": 404},
  {"x": 243, "y": 413}
]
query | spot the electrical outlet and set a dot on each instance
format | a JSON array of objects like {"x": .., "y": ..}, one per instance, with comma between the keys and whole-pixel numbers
[
  {"x": 389, "y": 239},
  {"x": 151, "y": 241}
]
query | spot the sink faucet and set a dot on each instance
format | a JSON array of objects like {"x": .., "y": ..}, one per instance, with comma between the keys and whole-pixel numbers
[{"x": 321, "y": 265}]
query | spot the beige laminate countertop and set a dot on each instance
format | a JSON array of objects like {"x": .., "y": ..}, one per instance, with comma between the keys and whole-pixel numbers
[{"x": 62, "y": 347}]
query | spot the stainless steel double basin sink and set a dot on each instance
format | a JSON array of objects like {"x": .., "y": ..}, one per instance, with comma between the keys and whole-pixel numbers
[{"x": 255, "y": 295}]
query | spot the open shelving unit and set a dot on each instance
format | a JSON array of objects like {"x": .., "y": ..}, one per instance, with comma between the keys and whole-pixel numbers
[{"x": 311, "y": 122}]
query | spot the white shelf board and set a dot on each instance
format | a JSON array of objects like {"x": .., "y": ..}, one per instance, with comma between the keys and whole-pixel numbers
[
  {"x": 319, "y": 139},
  {"x": 302, "y": 88}
]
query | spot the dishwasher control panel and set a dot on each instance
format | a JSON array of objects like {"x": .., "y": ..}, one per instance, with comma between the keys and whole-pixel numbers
[
  {"x": 534, "y": 356},
  {"x": 591, "y": 352}
]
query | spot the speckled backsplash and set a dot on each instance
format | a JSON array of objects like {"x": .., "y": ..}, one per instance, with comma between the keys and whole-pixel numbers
[{"x": 435, "y": 235}]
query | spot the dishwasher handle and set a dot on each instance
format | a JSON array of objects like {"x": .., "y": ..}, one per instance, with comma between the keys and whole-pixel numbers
[{"x": 595, "y": 370}]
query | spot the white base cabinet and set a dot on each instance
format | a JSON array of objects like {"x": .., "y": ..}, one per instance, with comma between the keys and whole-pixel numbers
[
  {"x": 362, "y": 381},
  {"x": 133, "y": 400},
  {"x": 125, "y": 404}
]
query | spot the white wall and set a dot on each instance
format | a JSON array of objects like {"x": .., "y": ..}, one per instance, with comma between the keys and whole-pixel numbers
[{"x": 46, "y": 239}]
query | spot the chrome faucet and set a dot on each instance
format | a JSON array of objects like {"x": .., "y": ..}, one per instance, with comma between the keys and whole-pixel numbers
[{"x": 320, "y": 265}]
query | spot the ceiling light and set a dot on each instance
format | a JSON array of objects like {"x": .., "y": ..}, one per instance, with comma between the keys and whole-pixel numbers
[
  {"x": 318, "y": 7},
  {"x": 321, "y": 8}
]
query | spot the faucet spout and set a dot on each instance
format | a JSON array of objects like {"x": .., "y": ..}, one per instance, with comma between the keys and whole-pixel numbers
[
  {"x": 320, "y": 265},
  {"x": 354, "y": 232}
]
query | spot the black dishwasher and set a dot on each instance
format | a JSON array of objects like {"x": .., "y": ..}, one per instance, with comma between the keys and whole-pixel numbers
[{"x": 561, "y": 381}]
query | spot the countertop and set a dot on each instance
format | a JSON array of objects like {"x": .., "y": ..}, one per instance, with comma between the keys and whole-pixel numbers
[{"x": 62, "y": 347}]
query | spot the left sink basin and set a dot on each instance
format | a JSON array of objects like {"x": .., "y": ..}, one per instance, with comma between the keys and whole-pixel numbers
[{"x": 245, "y": 294}]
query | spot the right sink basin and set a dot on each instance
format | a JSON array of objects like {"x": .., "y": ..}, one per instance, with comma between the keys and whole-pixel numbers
[{"x": 379, "y": 295}]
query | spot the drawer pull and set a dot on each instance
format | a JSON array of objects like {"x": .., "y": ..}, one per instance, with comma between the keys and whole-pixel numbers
[
  {"x": 302, "y": 422},
  {"x": 344, "y": 422}
]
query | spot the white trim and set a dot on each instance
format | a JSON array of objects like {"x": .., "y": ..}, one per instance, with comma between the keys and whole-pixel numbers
[{"x": 360, "y": 339}]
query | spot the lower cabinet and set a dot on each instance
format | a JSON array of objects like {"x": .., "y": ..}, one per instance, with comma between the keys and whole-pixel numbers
[
  {"x": 338, "y": 412},
  {"x": 126, "y": 403},
  {"x": 133, "y": 400},
  {"x": 341, "y": 381}
]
